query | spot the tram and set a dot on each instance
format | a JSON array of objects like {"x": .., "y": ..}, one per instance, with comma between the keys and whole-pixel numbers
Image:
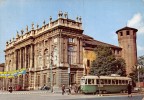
[{"x": 104, "y": 84}]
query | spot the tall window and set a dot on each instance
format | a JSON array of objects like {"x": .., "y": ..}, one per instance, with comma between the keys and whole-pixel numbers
[
  {"x": 121, "y": 33},
  {"x": 44, "y": 79},
  {"x": 73, "y": 79},
  {"x": 40, "y": 59},
  {"x": 38, "y": 80},
  {"x": 88, "y": 63},
  {"x": 127, "y": 32},
  {"x": 46, "y": 58},
  {"x": 71, "y": 40},
  {"x": 71, "y": 55},
  {"x": 55, "y": 55}
]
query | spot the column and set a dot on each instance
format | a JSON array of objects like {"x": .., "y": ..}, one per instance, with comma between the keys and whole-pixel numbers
[
  {"x": 31, "y": 56},
  {"x": 20, "y": 56},
  {"x": 25, "y": 50}
]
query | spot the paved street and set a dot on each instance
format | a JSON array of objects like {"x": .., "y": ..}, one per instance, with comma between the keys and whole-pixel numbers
[{"x": 44, "y": 95}]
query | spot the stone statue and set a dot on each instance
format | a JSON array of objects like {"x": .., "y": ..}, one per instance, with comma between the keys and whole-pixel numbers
[
  {"x": 50, "y": 18},
  {"x": 44, "y": 22},
  {"x": 7, "y": 42},
  {"x": 17, "y": 34},
  {"x": 80, "y": 18},
  {"x": 32, "y": 25},
  {"x": 65, "y": 15},
  {"x": 77, "y": 18},
  {"x": 22, "y": 31},
  {"x": 26, "y": 28},
  {"x": 37, "y": 26},
  {"x": 13, "y": 38}
]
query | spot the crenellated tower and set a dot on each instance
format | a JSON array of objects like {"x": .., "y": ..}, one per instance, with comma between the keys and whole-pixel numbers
[{"x": 127, "y": 41}]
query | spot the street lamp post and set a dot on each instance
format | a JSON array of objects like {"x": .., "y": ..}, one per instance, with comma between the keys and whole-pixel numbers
[
  {"x": 51, "y": 65},
  {"x": 138, "y": 68}
]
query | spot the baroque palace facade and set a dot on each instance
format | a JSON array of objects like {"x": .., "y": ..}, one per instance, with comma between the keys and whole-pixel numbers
[{"x": 59, "y": 53}]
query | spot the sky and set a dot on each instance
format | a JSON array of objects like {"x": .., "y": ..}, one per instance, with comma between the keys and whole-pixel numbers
[{"x": 100, "y": 18}]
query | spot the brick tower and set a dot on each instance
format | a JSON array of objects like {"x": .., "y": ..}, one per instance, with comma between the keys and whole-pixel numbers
[{"x": 127, "y": 41}]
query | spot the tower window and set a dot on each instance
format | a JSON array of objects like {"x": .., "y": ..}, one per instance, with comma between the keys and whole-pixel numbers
[
  {"x": 88, "y": 63},
  {"x": 127, "y": 32},
  {"x": 121, "y": 33}
]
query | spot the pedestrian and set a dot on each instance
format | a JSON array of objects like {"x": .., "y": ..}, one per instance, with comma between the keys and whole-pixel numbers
[
  {"x": 63, "y": 89},
  {"x": 129, "y": 88},
  {"x": 10, "y": 89},
  {"x": 75, "y": 88}
]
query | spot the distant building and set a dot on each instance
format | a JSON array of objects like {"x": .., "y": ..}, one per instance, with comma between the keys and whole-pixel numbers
[
  {"x": 2, "y": 65},
  {"x": 59, "y": 53}
]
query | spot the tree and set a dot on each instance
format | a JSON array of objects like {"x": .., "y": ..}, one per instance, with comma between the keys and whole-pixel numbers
[
  {"x": 134, "y": 73},
  {"x": 106, "y": 63}
]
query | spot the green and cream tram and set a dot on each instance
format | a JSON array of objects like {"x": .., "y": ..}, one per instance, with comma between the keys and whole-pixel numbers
[{"x": 104, "y": 84}]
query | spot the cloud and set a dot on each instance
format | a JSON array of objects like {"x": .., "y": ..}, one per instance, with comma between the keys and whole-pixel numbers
[
  {"x": 140, "y": 48},
  {"x": 137, "y": 21}
]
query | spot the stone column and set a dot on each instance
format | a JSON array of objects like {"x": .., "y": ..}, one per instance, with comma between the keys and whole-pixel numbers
[
  {"x": 25, "y": 57},
  {"x": 20, "y": 56},
  {"x": 31, "y": 56},
  {"x": 29, "y": 82}
]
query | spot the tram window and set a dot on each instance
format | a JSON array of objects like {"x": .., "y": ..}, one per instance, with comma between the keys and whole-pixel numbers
[
  {"x": 105, "y": 81},
  {"x": 82, "y": 81},
  {"x": 113, "y": 81},
  {"x": 120, "y": 82},
  {"x": 92, "y": 81},
  {"x": 126, "y": 81},
  {"x": 123, "y": 82},
  {"x": 89, "y": 81},
  {"x": 97, "y": 81},
  {"x": 102, "y": 81},
  {"x": 86, "y": 81},
  {"x": 109, "y": 81},
  {"x": 116, "y": 81}
]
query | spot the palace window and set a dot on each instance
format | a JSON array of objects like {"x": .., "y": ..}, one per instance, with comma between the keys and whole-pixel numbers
[
  {"x": 55, "y": 40},
  {"x": 55, "y": 55},
  {"x": 127, "y": 32},
  {"x": 44, "y": 79},
  {"x": 88, "y": 63},
  {"x": 71, "y": 55},
  {"x": 73, "y": 80},
  {"x": 46, "y": 58},
  {"x": 71, "y": 40},
  {"x": 121, "y": 33}
]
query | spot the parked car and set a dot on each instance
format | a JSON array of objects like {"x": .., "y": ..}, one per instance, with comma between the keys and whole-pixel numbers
[{"x": 45, "y": 88}]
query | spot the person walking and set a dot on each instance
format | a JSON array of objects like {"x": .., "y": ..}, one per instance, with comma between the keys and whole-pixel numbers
[
  {"x": 63, "y": 89},
  {"x": 129, "y": 88}
]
